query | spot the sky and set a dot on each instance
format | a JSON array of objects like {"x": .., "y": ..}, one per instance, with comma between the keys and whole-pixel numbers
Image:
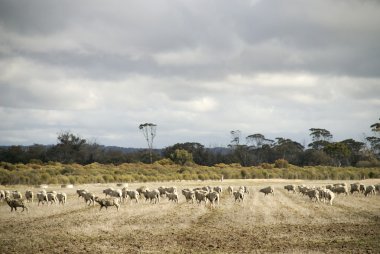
[{"x": 198, "y": 69}]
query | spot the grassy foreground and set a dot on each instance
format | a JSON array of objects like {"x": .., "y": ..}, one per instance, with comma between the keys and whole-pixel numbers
[{"x": 283, "y": 223}]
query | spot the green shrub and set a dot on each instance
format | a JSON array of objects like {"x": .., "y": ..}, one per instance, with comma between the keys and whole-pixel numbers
[{"x": 281, "y": 163}]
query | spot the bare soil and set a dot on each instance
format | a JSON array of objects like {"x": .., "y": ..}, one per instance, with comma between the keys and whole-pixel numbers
[{"x": 283, "y": 223}]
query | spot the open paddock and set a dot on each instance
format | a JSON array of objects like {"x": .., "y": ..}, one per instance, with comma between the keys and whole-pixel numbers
[{"x": 283, "y": 223}]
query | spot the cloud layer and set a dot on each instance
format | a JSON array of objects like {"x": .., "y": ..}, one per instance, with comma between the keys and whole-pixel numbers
[{"x": 198, "y": 69}]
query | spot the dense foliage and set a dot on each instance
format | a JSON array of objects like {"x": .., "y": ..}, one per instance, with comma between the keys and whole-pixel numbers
[
  {"x": 165, "y": 169},
  {"x": 256, "y": 150}
]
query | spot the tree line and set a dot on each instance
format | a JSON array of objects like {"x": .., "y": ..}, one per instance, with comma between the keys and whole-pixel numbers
[{"x": 253, "y": 150}]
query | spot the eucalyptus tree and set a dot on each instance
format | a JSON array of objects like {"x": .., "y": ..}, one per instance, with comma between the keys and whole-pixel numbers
[{"x": 149, "y": 132}]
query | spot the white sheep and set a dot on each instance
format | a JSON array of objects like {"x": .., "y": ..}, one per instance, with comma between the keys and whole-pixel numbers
[
  {"x": 153, "y": 196},
  {"x": 200, "y": 196},
  {"x": 213, "y": 197},
  {"x": 42, "y": 197},
  {"x": 189, "y": 195},
  {"x": 16, "y": 194},
  {"x": 239, "y": 196},
  {"x": 106, "y": 202},
  {"x": 370, "y": 189},
  {"x": 52, "y": 197},
  {"x": 230, "y": 190},
  {"x": 62, "y": 198}
]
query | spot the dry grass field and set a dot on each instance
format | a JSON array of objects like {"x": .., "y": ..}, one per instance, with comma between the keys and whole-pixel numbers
[{"x": 283, "y": 223}]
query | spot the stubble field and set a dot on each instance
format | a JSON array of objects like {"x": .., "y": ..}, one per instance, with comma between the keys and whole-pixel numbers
[{"x": 283, "y": 223}]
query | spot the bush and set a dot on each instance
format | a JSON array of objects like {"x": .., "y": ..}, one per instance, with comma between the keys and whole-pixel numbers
[
  {"x": 281, "y": 163},
  {"x": 266, "y": 166}
]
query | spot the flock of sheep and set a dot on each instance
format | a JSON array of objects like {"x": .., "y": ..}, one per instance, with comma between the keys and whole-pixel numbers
[{"x": 206, "y": 194}]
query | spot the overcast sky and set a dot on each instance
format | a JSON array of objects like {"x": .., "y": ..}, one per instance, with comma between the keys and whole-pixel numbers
[{"x": 198, "y": 69}]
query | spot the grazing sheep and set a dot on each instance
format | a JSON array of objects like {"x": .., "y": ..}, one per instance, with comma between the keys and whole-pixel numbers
[
  {"x": 329, "y": 187},
  {"x": 213, "y": 197},
  {"x": 290, "y": 187},
  {"x": 230, "y": 190},
  {"x": 116, "y": 194},
  {"x": 355, "y": 187},
  {"x": 162, "y": 191},
  {"x": 29, "y": 196},
  {"x": 106, "y": 202},
  {"x": 62, "y": 198},
  {"x": 141, "y": 190},
  {"x": 218, "y": 189},
  {"x": 153, "y": 196},
  {"x": 200, "y": 196},
  {"x": 329, "y": 195},
  {"x": 42, "y": 197},
  {"x": 16, "y": 194},
  {"x": 171, "y": 189},
  {"x": 239, "y": 196},
  {"x": 362, "y": 188},
  {"x": 313, "y": 194},
  {"x": 267, "y": 190},
  {"x": 52, "y": 197},
  {"x": 81, "y": 192},
  {"x": 370, "y": 189},
  {"x": 172, "y": 196},
  {"x": 89, "y": 198},
  {"x": 133, "y": 194},
  {"x": 108, "y": 191},
  {"x": 14, "y": 203},
  {"x": 340, "y": 189},
  {"x": 189, "y": 195}
]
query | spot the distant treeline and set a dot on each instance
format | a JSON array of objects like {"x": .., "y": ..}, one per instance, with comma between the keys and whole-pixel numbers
[
  {"x": 166, "y": 170},
  {"x": 253, "y": 150}
]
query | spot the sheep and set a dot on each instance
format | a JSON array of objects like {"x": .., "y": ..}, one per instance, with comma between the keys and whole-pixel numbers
[
  {"x": 106, "y": 202},
  {"x": 29, "y": 195},
  {"x": 171, "y": 189},
  {"x": 52, "y": 197},
  {"x": 355, "y": 187},
  {"x": 172, "y": 196},
  {"x": 14, "y": 203},
  {"x": 133, "y": 194},
  {"x": 189, "y": 195},
  {"x": 162, "y": 191},
  {"x": 362, "y": 188},
  {"x": 290, "y": 187},
  {"x": 42, "y": 197},
  {"x": 218, "y": 189},
  {"x": 370, "y": 189},
  {"x": 81, "y": 192},
  {"x": 377, "y": 187},
  {"x": 116, "y": 194},
  {"x": 230, "y": 190},
  {"x": 16, "y": 194},
  {"x": 246, "y": 190},
  {"x": 239, "y": 196},
  {"x": 2, "y": 195},
  {"x": 153, "y": 196},
  {"x": 200, "y": 196},
  {"x": 213, "y": 197},
  {"x": 108, "y": 191},
  {"x": 141, "y": 189},
  {"x": 62, "y": 198},
  {"x": 313, "y": 194},
  {"x": 340, "y": 189},
  {"x": 89, "y": 198},
  {"x": 329, "y": 187},
  {"x": 267, "y": 190},
  {"x": 326, "y": 194}
]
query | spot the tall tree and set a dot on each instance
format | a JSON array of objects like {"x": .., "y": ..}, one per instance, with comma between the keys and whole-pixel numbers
[
  {"x": 320, "y": 137},
  {"x": 149, "y": 132}
]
